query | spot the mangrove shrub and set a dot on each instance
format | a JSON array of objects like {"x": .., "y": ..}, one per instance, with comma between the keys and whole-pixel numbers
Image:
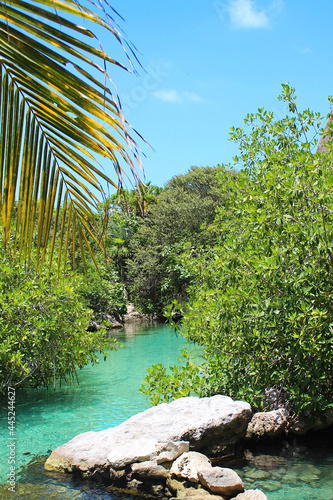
[{"x": 262, "y": 301}]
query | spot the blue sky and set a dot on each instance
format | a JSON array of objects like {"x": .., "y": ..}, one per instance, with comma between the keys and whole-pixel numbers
[{"x": 207, "y": 63}]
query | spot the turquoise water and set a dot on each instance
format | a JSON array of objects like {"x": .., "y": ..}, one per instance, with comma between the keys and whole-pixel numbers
[
  {"x": 107, "y": 395},
  {"x": 308, "y": 475}
]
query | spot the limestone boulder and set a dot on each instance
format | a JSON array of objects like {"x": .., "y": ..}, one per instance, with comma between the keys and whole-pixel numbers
[
  {"x": 133, "y": 315},
  {"x": 188, "y": 465},
  {"x": 251, "y": 495},
  {"x": 222, "y": 481},
  {"x": 209, "y": 425},
  {"x": 267, "y": 424},
  {"x": 138, "y": 450}
]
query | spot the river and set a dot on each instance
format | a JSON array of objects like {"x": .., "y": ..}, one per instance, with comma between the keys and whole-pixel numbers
[{"x": 107, "y": 395}]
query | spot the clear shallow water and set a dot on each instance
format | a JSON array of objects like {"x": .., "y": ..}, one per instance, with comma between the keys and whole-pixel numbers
[
  {"x": 107, "y": 395},
  {"x": 304, "y": 474}
]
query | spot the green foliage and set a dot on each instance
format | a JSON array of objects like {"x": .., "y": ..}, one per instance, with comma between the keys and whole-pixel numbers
[
  {"x": 261, "y": 303},
  {"x": 163, "y": 385},
  {"x": 103, "y": 293},
  {"x": 157, "y": 271},
  {"x": 43, "y": 329}
]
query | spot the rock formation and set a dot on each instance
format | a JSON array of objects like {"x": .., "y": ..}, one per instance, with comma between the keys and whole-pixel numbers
[
  {"x": 268, "y": 424},
  {"x": 210, "y": 425},
  {"x": 160, "y": 451}
]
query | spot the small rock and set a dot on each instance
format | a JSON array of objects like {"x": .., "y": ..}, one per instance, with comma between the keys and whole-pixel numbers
[
  {"x": 251, "y": 495},
  {"x": 167, "y": 452},
  {"x": 189, "y": 464},
  {"x": 267, "y": 424},
  {"x": 134, "y": 486},
  {"x": 221, "y": 480},
  {"x": 200, "y": 494},
  {"x": 157, "y": 490},
  {"x": 273, "y": 486},
  {"x": 176, "y": 487},
  {"x": 305, "y": 472},
  {"x": 258, "y": 474},
  {"x": 149, "y": 469}
]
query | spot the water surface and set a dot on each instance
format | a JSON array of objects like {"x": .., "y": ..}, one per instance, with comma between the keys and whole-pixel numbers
[{"x": 107, "y": 395}]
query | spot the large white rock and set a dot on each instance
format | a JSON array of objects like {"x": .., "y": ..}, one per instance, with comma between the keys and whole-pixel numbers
[
  {"x": 138, "y": 450},
  {"x": 208, "y": 424}
]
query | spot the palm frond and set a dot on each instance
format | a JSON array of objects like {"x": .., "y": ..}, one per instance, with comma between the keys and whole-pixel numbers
[{"x": 57, "y": 105}]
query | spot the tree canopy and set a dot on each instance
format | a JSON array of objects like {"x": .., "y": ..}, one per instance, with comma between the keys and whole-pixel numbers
[
  {"x": 157, "y": 272},
  {"x": 261, "y": 299}
]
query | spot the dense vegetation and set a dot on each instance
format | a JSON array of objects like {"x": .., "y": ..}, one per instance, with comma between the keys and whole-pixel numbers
[
  {"x": 44, "y": 333},
  {"x": 157, "y": 272},
  {"x": 45, "y": 317},
  {"x": 260, "y": 302}
]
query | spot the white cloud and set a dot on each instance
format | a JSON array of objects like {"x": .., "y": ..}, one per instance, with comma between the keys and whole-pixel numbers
[
  {"x": 189, "y": 96},
  {"x": 304, "y": 50},
  {"x": 172, "y": 95},
  {"x": 244, "y": 14}
]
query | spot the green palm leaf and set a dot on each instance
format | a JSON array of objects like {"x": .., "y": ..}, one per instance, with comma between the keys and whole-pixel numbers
[{"x": 56, "y": 113}]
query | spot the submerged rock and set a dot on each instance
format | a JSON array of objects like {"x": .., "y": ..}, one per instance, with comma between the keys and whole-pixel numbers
[
  {"x": 210, "y": 425},
  {"x": 251, "y": 495}
]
